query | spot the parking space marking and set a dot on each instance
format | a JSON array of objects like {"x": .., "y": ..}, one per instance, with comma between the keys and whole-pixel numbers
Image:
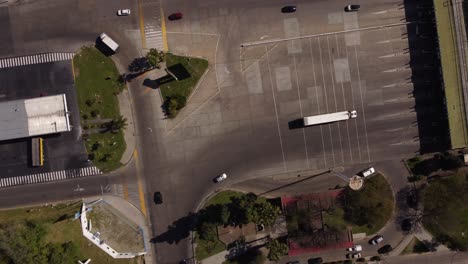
[
  {"x": 300, "y": 109},
  {"x": 49, "y": 176},
  {"x": 318, "y": 101},
  {"x": 332, "y": 73},
  {"x": 326, "y": 99},
  {"x": 276, "y": 111},
  {"x": 344, "y": 96},
  {"x": 362, "y": 104}
]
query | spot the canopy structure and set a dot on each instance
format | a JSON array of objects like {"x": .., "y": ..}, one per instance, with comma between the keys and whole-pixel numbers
[{"x": 34, "y": 117}]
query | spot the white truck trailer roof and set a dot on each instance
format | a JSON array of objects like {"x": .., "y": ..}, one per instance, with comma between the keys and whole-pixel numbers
[
  {"x": 33, "y": 117},
  {"x": 327, "y": 118},
  {"x": 109, "y": 42}
]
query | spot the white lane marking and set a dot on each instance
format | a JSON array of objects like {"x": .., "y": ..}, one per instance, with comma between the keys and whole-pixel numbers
[
  {"x": 300, "y": 109},
  {"x": 324, "y": 34},
  {"x": 362, "y": 103},
  {"x": 331, "y": 59},
  {"x": 344, "y": 101},
  {"x": 318, "y": 101},
  {"x": 276, "y": 111},
  {"x": 326, "y": 100}
]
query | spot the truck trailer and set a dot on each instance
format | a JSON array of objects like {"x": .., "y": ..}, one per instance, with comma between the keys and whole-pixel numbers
[
  {"x": 109, "y": 42},
  {"x": 329, "y": 118}
]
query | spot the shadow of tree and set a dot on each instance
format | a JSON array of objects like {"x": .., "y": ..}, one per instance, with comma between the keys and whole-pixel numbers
[{"x": 178, "y": 230}]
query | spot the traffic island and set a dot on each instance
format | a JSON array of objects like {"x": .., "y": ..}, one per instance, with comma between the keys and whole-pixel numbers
[
  {"x": 98, "y": 83},
  {"x": 183, "y": 75}
]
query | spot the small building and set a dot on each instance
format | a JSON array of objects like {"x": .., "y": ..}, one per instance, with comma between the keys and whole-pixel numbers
[{"x": 34, "y": 117}]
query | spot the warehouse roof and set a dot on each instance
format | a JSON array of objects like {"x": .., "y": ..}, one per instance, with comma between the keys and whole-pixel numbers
[{"x": 34, "y": 117}]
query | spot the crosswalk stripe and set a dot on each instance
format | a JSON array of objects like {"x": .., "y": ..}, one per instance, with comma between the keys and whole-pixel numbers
[{"x": 49, "y": 176}]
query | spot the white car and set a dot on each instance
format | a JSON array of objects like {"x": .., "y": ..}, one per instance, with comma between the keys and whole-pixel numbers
[
  {"x": 353, "y": 255},
  {"x": 376, "y": 240},
  {"x": 368, "y": 172},
  {"x": 355, "y": 248},
  {"x": 221, "y": 178},
  {"x": 123, "y": 12}
]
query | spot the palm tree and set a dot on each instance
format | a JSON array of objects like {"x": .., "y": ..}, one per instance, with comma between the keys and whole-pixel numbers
[{"x": 117, "y": 124}]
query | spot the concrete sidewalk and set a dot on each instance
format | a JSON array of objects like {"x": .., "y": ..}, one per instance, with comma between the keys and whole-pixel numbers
[{"x": 133, "y": 214}]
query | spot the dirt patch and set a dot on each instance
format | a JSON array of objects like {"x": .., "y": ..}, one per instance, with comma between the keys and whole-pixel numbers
[{"x": 115, "y": 229}]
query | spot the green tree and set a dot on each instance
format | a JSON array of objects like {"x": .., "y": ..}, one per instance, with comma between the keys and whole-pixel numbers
[
  {"x": 276, "y": 250},
  {"x": 207, "y": 231},
  {"x": 155, "y": 57},
  {"x": 225, "y": 215},
  {"x": 265, "y": 213},
  {"x": 23, "y": 243},
  {"x": 450, "y": 162}
]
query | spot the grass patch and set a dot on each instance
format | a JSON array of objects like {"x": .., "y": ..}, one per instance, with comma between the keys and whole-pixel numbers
[
  {"x": 176, "y": 93},
  {"x": 61, "y": 228},
  {"x": 415, "y": 246},
  {"x": 97, "y": 83},
  {"x": 446, "y": 210},
  {"x": 207, "y": 248},
  {"x": 107, "y": 156},
  {"x": 223, "y": 197}
]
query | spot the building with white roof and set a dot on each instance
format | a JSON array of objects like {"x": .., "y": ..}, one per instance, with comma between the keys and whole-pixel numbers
[{"x": 34, "y": 117}]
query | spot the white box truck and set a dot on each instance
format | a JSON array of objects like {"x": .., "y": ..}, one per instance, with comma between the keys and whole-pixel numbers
[
  {"x": 329, "y": 118},
  {"x": 109, "y": 42}
]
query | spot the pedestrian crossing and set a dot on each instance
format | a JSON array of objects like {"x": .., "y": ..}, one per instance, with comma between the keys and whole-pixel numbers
[
  {"x": 49, "y": 176},
  {"x": 154, "y": 37},
  {"x": 35, "y": 59}
]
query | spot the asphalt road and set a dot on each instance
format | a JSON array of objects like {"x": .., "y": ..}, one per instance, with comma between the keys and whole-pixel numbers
[
  {"x": 241, "y": 122},
  {"x": 244, "y": 128}
]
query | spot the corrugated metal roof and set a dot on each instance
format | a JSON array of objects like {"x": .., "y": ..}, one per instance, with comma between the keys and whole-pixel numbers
[{"x": 33, "y": 117}]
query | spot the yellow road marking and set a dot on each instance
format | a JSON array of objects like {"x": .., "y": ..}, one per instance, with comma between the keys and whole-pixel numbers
[
  {"x": 73, "y": 68},
  {"x": 142, "y": 197},
  {"x": 125, "y": 189},
  {"x": 141, "y": 194},
  {"x": 142, "y": 25},
  {"x": 164, "y": 31}
]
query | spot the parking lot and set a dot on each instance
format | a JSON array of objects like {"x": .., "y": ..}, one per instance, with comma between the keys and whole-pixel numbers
[
  {"x": 356, "y": 65},
  {"x": 63, "y": 151}
]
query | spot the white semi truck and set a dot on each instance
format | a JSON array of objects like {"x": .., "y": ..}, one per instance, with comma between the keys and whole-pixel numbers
[
  {"x": 109, "y": 42},
  {"x": 329, "y": 118}
]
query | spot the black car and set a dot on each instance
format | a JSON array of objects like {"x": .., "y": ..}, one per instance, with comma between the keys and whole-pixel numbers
[
  {"x": 351, "y": 8},
  {"x": 385, "y": 249},
  {"x": 158, "y": 198},
  {"x": 315, "y": 261},
  {"x": 288, "y": 9},
  {"x": 407, "y": 224}
]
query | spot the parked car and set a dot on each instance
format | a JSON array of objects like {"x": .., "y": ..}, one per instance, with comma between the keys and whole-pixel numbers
[
  {"x": 220, "y": 178},
  {"x": 293, "y": 262},
  {"x": 288, "y": 9},
  {"x": 355, "y": 248},
  {"x": 315, "y": 261},
  {"x": 376, "y": 240},
  {"x": 351, "y": 8},
  {"x": 123, "y": 12},
  {"x": 368, "y": 172},
  {"x": 176, "y": 16},
  {"x": 407, "y": 224},
  {"x": 158, "y": 198},
  {"x": 385, "y": 249},
  {"x": 353, "y": 255}
]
